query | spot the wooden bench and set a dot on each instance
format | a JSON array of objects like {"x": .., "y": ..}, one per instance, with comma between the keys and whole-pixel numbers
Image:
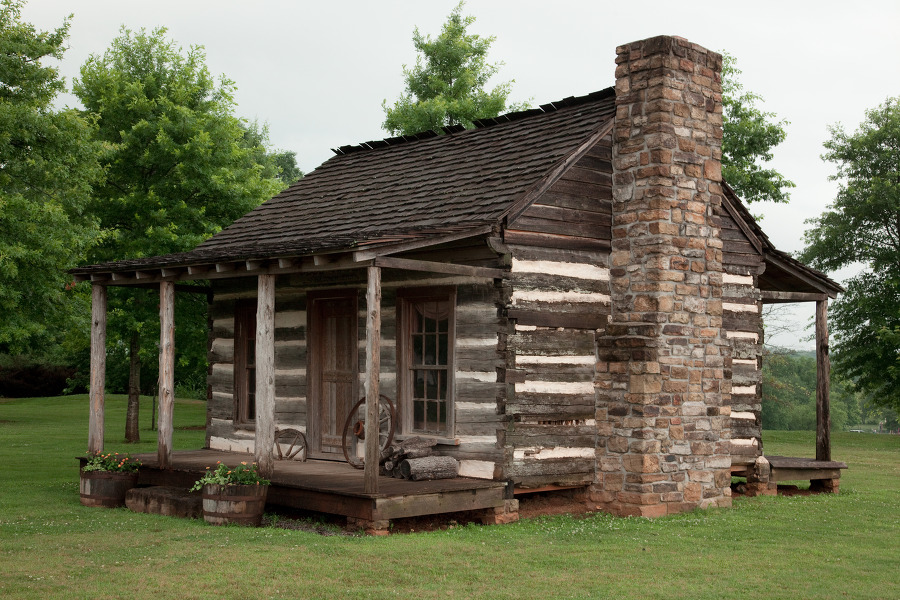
[{"x": 823, "y": 476}]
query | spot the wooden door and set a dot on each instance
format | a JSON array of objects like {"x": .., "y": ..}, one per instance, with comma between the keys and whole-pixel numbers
[{"x": 334, "y": 370}]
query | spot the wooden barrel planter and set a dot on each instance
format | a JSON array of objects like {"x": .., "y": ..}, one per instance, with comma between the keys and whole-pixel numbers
[
  {"x": 234, "y": 504},
  {"x": 105, "y": 488}
]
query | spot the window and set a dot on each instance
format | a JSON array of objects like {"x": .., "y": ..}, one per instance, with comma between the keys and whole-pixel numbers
[
  {"x": 245, "y": 361},
  {"x": 425, "y": 360}
]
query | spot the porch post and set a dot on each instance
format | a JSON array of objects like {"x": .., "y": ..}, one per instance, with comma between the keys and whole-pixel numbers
[
  {"x": 373, "y": 368},
  {"x": 98, "y": 367},
  {"x": 823, "y": 372},
  {"x": 166, "y": 373},
  {"x": 265, "y": 375}
]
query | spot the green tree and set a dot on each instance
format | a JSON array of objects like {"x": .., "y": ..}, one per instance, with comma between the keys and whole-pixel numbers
[
  {"x": 862, "y": 227},
  {"x": 278, "y": 163},
  {"x": 748, "y": 141},
  {"x": 447, "y": 85},
  {"x": 47, "y": 165},
  {"x": 789, "y": 393},
  {"x": 179, "y": 168}
]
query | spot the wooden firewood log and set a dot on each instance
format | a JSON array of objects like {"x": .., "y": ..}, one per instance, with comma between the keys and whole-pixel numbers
[{"x": 429, "y": 467}]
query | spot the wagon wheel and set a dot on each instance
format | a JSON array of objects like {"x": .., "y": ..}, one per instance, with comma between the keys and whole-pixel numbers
[
  {"x": 355, "y": 429},
  {"x": 296, "y": 441}
]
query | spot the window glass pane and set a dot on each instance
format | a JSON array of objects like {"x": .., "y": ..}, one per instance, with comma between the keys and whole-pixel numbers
[
  {"x": 418, "y": 415},
  {"x": 417, "y": 349},
  {"x": 419, "y": 384},
  {"x": 442, "y": 385},
  {"x": 442, "y": 419},
  {"x": 430, "y": 350},
  {"x": 431, "y": 387},
  {"x": 431, "y": 416},
  {"x": 443, "y": 348}
]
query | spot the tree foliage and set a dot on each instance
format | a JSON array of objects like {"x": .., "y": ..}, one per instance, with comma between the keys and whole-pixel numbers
[
  {"x": 749, "y": 138},
  {"x": 789, "y": 394},
  {"x": 862, "y": 227},
  {"x": 447, "y": 84},
  {"x": 47, "y": 165},
  {"x": 179, "y": 166}
]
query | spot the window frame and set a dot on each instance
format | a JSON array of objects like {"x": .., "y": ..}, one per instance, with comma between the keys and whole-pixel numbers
[
  {"x": 407, "y": 298},
  {"x": 244, "y": 337}
]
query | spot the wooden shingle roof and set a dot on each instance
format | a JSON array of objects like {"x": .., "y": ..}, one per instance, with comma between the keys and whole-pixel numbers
[
  {"x": 401, "y": 188},
  {"x": 439, "y": 184}
]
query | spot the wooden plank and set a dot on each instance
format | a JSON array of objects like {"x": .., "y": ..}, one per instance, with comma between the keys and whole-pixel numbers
[
  {"x": 373, "y": 373},
  {"x": 438, "y": 267},
  {"x": 773, "y": 297},
  {"x": 264, "y": 441},
  {"x": 566, "y": 215},
  {"x": 579, "y": 320},
  {"x": 781, "y": 474},
  {"x": 547, "y": 240},
  {"x": 823, "y": 372},
  {"x": 166, "y": 372},
  {"x": 564, "y": 228},
  {"x": 739, "y": 221},
  {"x": 791, "y": 462},
  {"x": 98, "y": 368},
  {"x": 445, "y": 502}
]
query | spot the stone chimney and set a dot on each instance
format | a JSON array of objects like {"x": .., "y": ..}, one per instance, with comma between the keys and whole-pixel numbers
[{"x": 664, "y": 364}]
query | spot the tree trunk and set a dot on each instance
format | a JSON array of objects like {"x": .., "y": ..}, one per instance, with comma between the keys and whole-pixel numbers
[{"x": 132, "y": 423}]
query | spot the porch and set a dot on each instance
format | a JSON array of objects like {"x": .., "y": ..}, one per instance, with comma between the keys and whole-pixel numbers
[{"x": 337, "y": 488}]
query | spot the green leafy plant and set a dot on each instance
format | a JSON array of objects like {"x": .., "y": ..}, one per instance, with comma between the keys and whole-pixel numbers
[
  {"x": 112, "y": 462},
  {"x": 242, "y": 474}
]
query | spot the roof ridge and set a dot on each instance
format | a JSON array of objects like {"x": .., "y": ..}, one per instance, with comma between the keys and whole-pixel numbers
[{"x": 479, "y": 123}]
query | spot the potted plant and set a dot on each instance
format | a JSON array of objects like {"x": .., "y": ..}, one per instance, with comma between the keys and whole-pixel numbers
[
  {"x": 233, "y": 494},
  {"x": 106, "y": 478}
]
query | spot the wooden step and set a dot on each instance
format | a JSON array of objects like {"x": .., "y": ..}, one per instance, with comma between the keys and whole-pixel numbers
[{"x": 165, "y": 500}]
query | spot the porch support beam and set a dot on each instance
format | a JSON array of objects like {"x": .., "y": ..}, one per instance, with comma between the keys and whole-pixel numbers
[
  {"x": 439, "y": 267},
  {"x": 98, "y": 368},
  {"x": 166, "y": 373},
  {"x": 265, "y": 375},
  {"x": 773, "y": 297},
  {"x": 373, "y": 368},
  {"x": 823, "y": 372}
]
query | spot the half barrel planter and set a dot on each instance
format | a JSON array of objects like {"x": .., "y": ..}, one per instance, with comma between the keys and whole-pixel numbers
[
  {"x": 105, "y": 488},
  {"x": 234, "y": 504}
]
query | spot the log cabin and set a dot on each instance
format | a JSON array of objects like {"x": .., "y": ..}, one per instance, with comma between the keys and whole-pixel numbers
[{"x": 564, "y": 297}]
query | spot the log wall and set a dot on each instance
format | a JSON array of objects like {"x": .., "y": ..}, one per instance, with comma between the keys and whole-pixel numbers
[
  {"x": 559, "y": 299},
  {"x": 742, "y": 318}
]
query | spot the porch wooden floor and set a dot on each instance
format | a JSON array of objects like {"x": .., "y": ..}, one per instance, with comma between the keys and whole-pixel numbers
[{"x": 334, "y": 487}]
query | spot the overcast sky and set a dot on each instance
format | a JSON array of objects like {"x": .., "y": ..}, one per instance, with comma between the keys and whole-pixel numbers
[{"x": 317, "y": 72}]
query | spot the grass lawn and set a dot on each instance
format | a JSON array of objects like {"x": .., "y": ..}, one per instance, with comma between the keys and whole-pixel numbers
[{"x": 823, "y": 546}]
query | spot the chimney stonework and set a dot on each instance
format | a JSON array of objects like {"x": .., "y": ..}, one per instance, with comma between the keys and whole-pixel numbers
[{"x": 664, "y": 362}]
